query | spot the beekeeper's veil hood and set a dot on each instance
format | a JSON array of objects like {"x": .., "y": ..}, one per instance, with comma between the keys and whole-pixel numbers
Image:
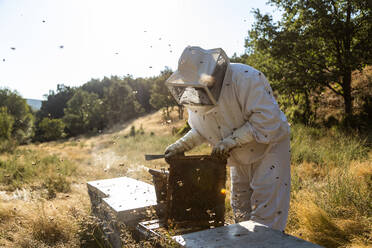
[{"x": 199, "y": 77}]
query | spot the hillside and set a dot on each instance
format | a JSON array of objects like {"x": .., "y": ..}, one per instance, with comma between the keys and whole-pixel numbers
[
  {"x": 44, "y": 201},
  {"x": 34, "y": 104},
  {"x": 48, "y": 187}
]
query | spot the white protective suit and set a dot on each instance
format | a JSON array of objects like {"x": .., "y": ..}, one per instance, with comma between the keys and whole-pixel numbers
[{"x": 246, "y": 115}]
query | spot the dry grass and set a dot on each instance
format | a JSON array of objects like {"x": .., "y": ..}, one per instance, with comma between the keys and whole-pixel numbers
[
  {"x": 331, "y": 185},
  {"x": 331, "y": 201},
  {"x": 38, "y": 222},
  {"x": 44, "y": 202},
  {"x": 309, "y": 221},
  {"x": 314, "y": 224}
]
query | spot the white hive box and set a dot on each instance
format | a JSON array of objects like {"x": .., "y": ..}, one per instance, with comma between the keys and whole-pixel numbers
[
  {"x": 244, "y": 234},
  {"x": 125, "y": 200},
  {"x": 120, "y": 201}
]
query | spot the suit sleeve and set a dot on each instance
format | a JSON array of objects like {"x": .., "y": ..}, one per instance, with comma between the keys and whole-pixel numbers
[
  {"x": 265, "y": 123},
  {"x": 191, "y": 139}
]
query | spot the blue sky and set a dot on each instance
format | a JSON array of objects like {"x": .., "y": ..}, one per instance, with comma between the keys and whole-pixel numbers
[{"x": 71, "y": 41}]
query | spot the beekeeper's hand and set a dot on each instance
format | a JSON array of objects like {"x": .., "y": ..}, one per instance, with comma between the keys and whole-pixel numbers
[
  {"x": 184, "y": 144},
  {"x": 174, "y": 149},
  {"x": 222, "y": 149}
]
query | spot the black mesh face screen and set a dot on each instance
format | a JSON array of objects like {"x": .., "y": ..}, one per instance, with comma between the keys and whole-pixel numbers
[
  {"x": 190, "y": 95},
  {"x": 219, "y": 75}
]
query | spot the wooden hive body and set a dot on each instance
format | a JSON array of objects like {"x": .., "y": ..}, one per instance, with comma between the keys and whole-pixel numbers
[{"x": 195, "y": 195}]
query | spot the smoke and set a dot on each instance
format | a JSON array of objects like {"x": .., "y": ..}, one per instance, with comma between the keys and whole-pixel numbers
[{"x": 107, "y": 159}]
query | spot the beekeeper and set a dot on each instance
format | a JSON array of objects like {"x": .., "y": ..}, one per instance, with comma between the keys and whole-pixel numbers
[{"x": 232, "y": 107}]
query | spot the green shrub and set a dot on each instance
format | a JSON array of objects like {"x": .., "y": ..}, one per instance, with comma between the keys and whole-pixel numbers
[
  {"x": 141, "y": 131},
  {"x": 15, "y": 106},
  {"x": 132, "y": 131},
  {"x": 56, "y": 183},
  {"x": 295, "y": 114},
  {"x": 6, "y": 123},
  {"x": 51, "y": 129},
  {"x": 84, "y": 113},
  {"x": 7, "y": 145}
]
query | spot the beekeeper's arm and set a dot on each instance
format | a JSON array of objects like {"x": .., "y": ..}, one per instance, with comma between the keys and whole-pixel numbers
[
  {"x": 186, "y": 143},
  {"x": 261, "y": 112}
]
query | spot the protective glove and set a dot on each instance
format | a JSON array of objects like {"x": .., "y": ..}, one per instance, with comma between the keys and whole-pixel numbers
[
  {"x": 186, "y": 143},
  {"x": 239, "y": 137},
  {"x": 174, "y": 149},
  {"x": 222, "y": 149}
]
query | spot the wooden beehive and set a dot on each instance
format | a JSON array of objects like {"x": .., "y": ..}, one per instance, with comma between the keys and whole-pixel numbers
[{"x": 195, "y": 195}]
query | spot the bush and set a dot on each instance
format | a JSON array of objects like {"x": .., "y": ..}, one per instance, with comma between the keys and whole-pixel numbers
[
  {"x": 7, "y": 145},
  {"x": 84, "y": 113},
  {"x": 120, "y": 103},
  {"x": 15, "y": 106},
  {"x": 141, "y": 131},
  {"x": 6, "y": 123},
  {"x": 132, "y": 131},
  {"x": 51, "y": 129},
  {"x": 56, "y": 183}
]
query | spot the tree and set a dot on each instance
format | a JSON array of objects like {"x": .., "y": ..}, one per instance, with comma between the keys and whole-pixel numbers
[
  {"x": 6, "y": 124},
  {"x": 120, "y": 102},
  {"x": 316, "y": 44},
  {"x": 98, "y": 86},
  {"x": 56, "y": 102},
  {"x": 84, "y": 113},
  {"x": 18, "y": 109},
  {"x": 142, "y": 91},
  {"x": 51, "y": 129},
  {"x": 160, "y": 95}
]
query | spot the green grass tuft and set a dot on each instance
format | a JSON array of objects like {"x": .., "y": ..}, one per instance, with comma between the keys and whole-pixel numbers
[
  {"x": 26, "y": 167},
  {"x": 326, "y": 146}
]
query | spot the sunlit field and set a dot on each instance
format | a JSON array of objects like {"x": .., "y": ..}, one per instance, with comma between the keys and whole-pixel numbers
[
  {"x": 44, "y": 200},
  {"x": 88, "y": 88}
]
